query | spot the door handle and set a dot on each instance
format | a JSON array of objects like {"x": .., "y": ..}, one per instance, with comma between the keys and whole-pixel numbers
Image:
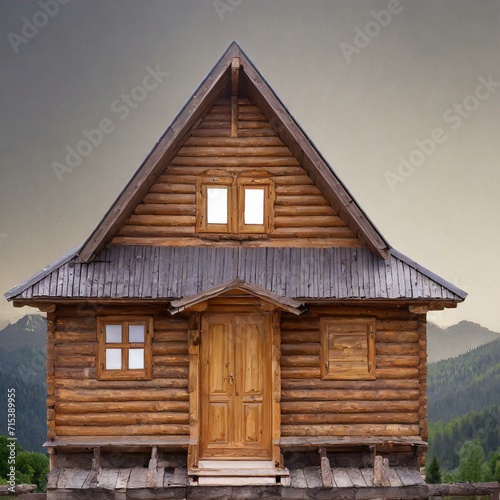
[{"x": 231, "y": 379}]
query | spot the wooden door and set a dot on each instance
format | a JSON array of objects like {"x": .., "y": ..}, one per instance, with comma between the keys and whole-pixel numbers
[{"x": 235, "y": 384}]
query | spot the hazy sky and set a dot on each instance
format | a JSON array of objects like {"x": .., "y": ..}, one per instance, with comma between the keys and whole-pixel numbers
[{"x": 401, "y": 97}]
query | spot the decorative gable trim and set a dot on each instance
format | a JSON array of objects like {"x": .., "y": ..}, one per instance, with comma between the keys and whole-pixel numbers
[{"x": 289, "y": 305}]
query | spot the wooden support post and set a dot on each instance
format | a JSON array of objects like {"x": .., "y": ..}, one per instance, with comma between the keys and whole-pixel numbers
[
  {"x": 326, "y": 470},
  {"x": 152, "y": 476},
  {"x": 52, "y": 458},
  {"x": 96, "y": 466},
  {"x": 235, "y": 82},
  {"x": 381, "y": 471}
]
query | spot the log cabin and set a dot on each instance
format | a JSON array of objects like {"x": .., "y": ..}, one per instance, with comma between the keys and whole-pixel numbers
[{"x": 235, "y": 321}]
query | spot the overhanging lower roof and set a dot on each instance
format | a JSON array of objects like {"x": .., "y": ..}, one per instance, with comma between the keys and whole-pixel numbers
[
  {"x": 172, "y": 273},
  {"x": 237, "y": 284},
  {"x": 283, "y": 123}
]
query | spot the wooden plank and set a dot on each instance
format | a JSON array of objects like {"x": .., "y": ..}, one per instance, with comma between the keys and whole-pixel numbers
[
  {"x": 53, "y": 478},
  {"x": 107, "y": 479},
  {"x": 356, "y": 477},
  {"x": 341, "y": 477},
  {"x": 122, "y": 479},
  {"x": 408, "y": 476},
  {"x": 137, "y": 478},
  {"x": 179, "y": 477},
  {"x": 315, "y": 478},
  {"x": 298, "y": 478}
]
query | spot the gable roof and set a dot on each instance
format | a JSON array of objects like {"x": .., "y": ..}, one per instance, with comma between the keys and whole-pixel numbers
[{"x": 284, "y": 125}]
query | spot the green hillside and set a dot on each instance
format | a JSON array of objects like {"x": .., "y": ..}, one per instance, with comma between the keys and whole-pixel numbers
[
  {"x": 446, "y": 438},
  {"x": 469, "y": 382}
]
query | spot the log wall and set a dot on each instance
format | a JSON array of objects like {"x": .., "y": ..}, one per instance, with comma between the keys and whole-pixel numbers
[
  {"x": 390, "y": 405},
  {"x": 394, "y": 404},
  {"x": 80, "y": 405},
  {"x": 167, "y": 214}
]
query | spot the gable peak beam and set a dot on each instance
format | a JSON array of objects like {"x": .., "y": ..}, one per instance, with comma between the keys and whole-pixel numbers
[{"x": 235, "y": 83}]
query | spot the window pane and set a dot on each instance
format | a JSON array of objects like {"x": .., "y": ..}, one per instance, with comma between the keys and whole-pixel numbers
[
  {"x": 113, "y": 334},
  {"x": 136, "y": 359},
  {"x": 113, "y": 359},
  {"x": 254, "y": 206},
  {"x": 216, "y": 205},
  {"x": 136, "y": 333}
]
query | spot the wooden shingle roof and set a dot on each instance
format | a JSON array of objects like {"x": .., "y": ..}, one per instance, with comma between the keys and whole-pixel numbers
[{"x": 169, "y": 273}]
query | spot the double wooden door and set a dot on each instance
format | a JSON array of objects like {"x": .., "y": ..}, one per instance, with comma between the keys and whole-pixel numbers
[{"x": 235, "y": 398}]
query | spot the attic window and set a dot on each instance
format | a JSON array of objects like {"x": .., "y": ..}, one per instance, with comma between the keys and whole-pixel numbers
[
  {"x": 348, "y": 348},
  {"x": 234, "y": 205},
  {"x": 124, "y": 348}
]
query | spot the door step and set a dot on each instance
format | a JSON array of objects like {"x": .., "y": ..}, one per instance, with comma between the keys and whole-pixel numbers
[{"x": 236, "y": 473}]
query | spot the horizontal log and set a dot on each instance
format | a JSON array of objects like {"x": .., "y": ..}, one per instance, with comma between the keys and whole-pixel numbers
[
  {"x": 233, "y": 141},
  {"x": 123, "y": 418},
  {"x": 295, "y": 189},
  {"x": 291, "y": 173},
  {"x": 300, "y": 360},
  {"x": 298, "y": 407},
  {"x": 171, "y": 360},
  {"x": 349, "y": 418},
  {"x": 230, "y": 151},
  {"x": 350, "y": 430},
  {"x": 184, "y": 199},
  {"x": 170, "y": 348},
  {"x": 463, "y": 489},
  {"x": 307, "y": 373},
  {"x": 397, "y": 336},
  {"x": 300, "y": 349},
  {"x": 397, "y": 373},
  {"x": 300, "y": 336},
  {"x": 131, "y": 230},
  {"x": 78, "y": 361},
  {"x": 161, "y": 220},
  {"x": 293, "y": 323},
  {"x": 352, "y": 385},
  {"x": 380, "y": 312},
  {"x": 348, "y": 395},
  {"x": 116, "y": 406},
  {"x": 63, "y": 336},
  {"x": 171, "y": 371},
  {"x": 303, "y": 211},
  {"x": 300, "y": 200},
  {"x": 397, "y": 361},
  {"x": 161, "y": 336},
  {"x": 179, "y": 241},
  {"x": 75, "y": 373},
  {"x": 187, "y": 177},
  {"x": 165, "y": 209},
  {"x": 397, "y": 349},
  {"x": 103, "y": 395},
  {"x": 215, "y": 161},
  {"x": 310, "y": 220},
  {"x": 168, "y": 188},
  {"x": 395, "y": 325},
  {"x": 82, "y": 322},
  {"x": 76, "y": 348},
  {"x": 123, "y": 430},
  {"x": 172, "y": 383}
]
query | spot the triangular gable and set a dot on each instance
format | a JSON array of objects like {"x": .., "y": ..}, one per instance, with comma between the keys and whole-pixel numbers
[
  {"x": 282, "y": 122},
  {"x": 278, "y": 301}
]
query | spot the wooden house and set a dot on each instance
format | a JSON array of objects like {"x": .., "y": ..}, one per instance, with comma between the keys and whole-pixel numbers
[{"x": 235, "y": 319}]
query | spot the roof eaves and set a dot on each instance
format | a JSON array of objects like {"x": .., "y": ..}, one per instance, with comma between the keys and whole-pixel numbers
[
  {"x": 18, "y": 289},
  {"x": 441, "y": 281}
]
